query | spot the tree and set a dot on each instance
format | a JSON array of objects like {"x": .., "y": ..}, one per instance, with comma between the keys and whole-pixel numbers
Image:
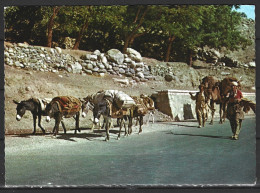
[
  {"x": 135, "y": 25},
  {"x": 50, "y": 25},
  {"x": 167, "y": 33},
  {"x": 23, "y": 23},
  {"x": 87, "y": 16}
]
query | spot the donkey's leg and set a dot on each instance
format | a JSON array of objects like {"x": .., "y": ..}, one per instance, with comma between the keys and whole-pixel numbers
[
  {"x": 77, "y": 123},
  {"x": 124, "y": 122},
  {"x": 224, "y": 111},
  {"x": 141, "y": 123},
  {"x": 130, "y": 124},
  {"x": 212, "y": 108},
  {"x": 153, "y": 116},
  {"x": 34, "y": 123},
  {"x": 39, "y": 123},
  {"x": 112, "y": 124},
  {"x": 92, "y": 128},
  {"x": 101, "y": 126},
  {"x": 57, "y": 123},
  {"x": 137, "y": 120},
  {"x": 120, "y": 127},
  {"x": 220, "y": 113},
  {"x": 107, "y": 125},
  {"x": 63, "y": 126}
]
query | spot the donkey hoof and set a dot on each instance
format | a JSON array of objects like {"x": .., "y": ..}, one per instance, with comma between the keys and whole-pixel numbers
[{"x": 211, "y": 123}]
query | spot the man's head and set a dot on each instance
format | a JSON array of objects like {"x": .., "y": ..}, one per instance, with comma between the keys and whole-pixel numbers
[{"x": 234, "y": 85}]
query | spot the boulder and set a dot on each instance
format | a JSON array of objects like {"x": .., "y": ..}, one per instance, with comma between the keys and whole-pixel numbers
[
  {"x": 127, "y": 60},
  {"x": 134, "y": 55},
  {"x": 24, "y": 45},
  {"x": 76, "y": 67},
  {"x": 252, "y": 64},
  {"x": 97, "y": 52},
  {"x": 140, "y": 75},
  {"x": 87, "y": 71},
  {"x": 121, "y": 71},
  {"x": 93, "y": 57},
  {"x": 168, "y": 77},
  {"x": 96, "y": 69},
  {"x": 104, "y": 59},
  {"x": 123, "y": 81},
  {"x": 58, "y": 49},
  {"x": 89, "y": 66},
  {"x": 115, "y": 55},
  {"x": 230, "y": 62}
]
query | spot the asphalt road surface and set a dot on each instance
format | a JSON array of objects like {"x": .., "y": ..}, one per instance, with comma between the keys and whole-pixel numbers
[{"x": 171, "y": 153}]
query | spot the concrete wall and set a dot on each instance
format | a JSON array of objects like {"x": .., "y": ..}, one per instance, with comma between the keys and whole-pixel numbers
[{"x": 178, "y": 104}]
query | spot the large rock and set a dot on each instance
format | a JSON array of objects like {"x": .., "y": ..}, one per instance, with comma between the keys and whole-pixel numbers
[
  {"x": 76, "y": 67},
  {"x": 252, "y": 64},
  {"x": 58, "y": 49},
  {"x": 115, "y": 55},
  {"x": 207, "y": 54},
  {"x": 168, "y": 77},
  {"x": 104, "y": 60},
  {"x": 230, "y": 62},
  {"x": 134, "y": 55},
  {"x": 140, "y": 75}
]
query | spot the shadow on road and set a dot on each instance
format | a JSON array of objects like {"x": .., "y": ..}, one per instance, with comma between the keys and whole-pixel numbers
[
  {"x": 180, "y": 125},
  {"x": 192, "y": 135},
  {"x": 28, "y": 135},
  {"x": 70, "y": 136}
]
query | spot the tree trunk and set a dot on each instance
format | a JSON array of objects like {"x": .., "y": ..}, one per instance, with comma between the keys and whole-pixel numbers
[
  {"x": 169, "y": 47},
  {"x": 80, "y": 34},
  {"x": 126, "y": 44},
  {"x": 50, "y": 25},
  {"x": 84, "y": 27},
  {"x": 190, "y": 58},
  {"x": 130, "y": 40},
  {"x": 131, "y": 36}
]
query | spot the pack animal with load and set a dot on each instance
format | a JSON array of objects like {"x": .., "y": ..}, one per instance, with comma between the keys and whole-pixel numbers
[
  {"x": 216, "y": 92},
  {"x": 63, "y": 107},
  {"x": 113, "y": 104},
  {"x": 36, "y": 106}
]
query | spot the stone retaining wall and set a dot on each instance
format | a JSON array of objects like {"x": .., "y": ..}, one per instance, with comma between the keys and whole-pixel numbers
[
  {"x": 178, "y": 104},
  {"x": 25, "y": 56}
]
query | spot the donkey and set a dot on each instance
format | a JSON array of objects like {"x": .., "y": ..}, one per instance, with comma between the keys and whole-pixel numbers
[
  {"x": 215, "y": 92},
  {"x": 88, "y": 105},
  {"x": 139, "y": 111},
  {"x": 149, "y": 103},
  {"x": 109, "y": 111},
  {"x": 63, "y": 106},
  {"x": 36, "y": 107}
]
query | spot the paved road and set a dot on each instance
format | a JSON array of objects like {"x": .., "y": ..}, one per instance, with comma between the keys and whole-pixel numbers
[{"x": 166, "y": 153}]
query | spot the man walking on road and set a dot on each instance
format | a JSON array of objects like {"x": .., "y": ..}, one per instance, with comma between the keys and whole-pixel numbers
[
  {"x": 200, "y": 106},
  {"x": 234, "y": 110}
]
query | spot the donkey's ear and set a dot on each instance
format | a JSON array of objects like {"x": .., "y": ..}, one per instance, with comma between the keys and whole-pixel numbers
[
  {"x": 44, "y": 102},
  {"x": 16, "y": 102},
  {"x": 85, "y": 99},
  {"x": 81, "y": 100}
]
